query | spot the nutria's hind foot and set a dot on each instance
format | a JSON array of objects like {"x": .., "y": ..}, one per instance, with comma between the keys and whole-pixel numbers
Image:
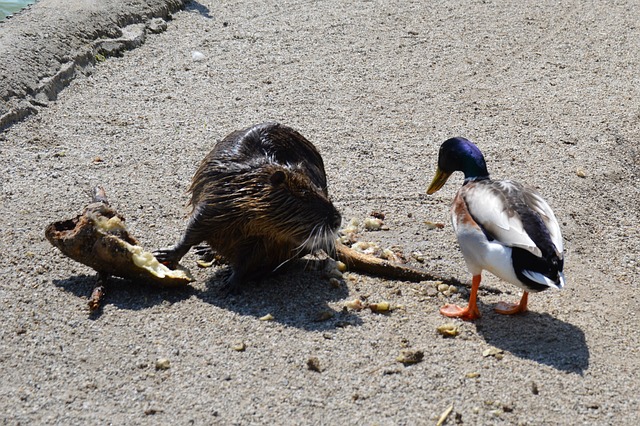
[{"x": 205, "y": 252}]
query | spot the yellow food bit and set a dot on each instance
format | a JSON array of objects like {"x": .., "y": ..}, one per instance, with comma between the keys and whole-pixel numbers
[
  {"x": 239, "y": 346},
  {"x": 380, "y": 307},
  {"x": 355, "y": 304},
  {"x": 448, "y": 330}
]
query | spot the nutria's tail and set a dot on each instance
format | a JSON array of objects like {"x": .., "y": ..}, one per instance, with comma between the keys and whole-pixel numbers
[{"x": 360, "y": 262}]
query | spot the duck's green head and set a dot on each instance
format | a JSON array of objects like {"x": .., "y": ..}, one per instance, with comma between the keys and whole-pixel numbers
[{"x": 458, "y": 154}]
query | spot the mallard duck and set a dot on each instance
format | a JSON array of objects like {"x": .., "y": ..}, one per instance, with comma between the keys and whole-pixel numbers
[{"x": 502, "y": 227}]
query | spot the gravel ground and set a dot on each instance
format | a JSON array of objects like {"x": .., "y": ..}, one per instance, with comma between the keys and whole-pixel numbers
[{"x": 550, "y": 92}]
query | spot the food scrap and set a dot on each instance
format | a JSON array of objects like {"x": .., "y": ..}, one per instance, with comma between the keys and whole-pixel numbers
[
  {"x": 96, "y": 297},
  {"x": 448, "y": 330},
  {"x": 410, "y": 356}
]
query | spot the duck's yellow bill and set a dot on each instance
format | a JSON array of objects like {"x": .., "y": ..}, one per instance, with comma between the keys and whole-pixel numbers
[{"x": 438, "y": 181}]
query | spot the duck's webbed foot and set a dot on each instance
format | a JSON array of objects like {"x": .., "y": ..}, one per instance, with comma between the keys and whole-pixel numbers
[
  {"x": 471, "y": 312},
  {"x": 505, "y": 308},
  {"x": 468, "y": 313}
]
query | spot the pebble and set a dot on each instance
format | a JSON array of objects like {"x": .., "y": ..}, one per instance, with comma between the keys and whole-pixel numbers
[
  {"x": 163, "y": 364},
  {"x": 239, "y": 346},
  {"x": 197, "y": 56}
]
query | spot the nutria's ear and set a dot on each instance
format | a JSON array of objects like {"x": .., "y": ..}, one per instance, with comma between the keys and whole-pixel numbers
[{"x": 277, "y": 177}]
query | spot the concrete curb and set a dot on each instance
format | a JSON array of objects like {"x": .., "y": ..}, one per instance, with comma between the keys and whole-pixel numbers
[{"x": 58, "y": 39}]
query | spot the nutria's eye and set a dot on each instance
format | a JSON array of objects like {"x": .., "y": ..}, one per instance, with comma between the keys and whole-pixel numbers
[{"x": 277, "y": 178}]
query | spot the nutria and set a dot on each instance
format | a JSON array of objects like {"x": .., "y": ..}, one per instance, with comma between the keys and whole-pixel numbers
[{"x": 259, "y": 199}]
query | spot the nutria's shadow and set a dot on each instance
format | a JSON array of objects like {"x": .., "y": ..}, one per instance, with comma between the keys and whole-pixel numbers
[
  {"x": 122, "y": 293},
  {"x": 536, "y": 336},
  {"x": 295, "y": 298}
]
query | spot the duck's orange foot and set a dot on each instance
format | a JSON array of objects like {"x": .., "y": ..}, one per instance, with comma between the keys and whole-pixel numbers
[
  {"x": 454, "y": 311},
  {"x": 505, "y": 308}
]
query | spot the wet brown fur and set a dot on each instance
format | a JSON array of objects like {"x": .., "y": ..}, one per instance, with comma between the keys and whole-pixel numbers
[{"x": 259, "y": 199}]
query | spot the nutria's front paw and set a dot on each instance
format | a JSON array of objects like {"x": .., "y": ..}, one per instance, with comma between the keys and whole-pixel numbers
[{"x": 167, "y": 256}]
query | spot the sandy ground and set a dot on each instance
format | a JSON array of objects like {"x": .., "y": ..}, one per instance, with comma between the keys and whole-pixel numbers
[{"x": 549, "y": 91}]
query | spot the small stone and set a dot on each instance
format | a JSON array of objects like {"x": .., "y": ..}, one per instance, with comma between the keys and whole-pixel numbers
[
  {"x": 163, "y": 364},
  {"x": 197, "y": 56},
  {"x": 419, "y": 257},
  {"x": 157, "y": 25},
  {"x": 239, "y": 346},
  {"x": 313, "y": 364},
  {"x": 443, "y": 287},
  {"x": 534, "y": 388},
  {"x": 494, "y": 352}
]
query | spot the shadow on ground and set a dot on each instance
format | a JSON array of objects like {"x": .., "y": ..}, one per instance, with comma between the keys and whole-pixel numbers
[
  {"x": 538, "y": 337},
  {"x": 122, "y": 293},
  {"x": 200, "y": 8},
  {"x": 296, "y": 298}
]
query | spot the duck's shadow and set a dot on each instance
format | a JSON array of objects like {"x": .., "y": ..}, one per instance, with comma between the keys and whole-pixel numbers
[
  {"x": 124, "y": 294},
  {"x": 296, "y": 298},
  {"x": 536, "y": 336}
]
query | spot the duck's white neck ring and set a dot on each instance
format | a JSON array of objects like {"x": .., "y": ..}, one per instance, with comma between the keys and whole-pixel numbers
[{"x": 474, "y": 179}]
